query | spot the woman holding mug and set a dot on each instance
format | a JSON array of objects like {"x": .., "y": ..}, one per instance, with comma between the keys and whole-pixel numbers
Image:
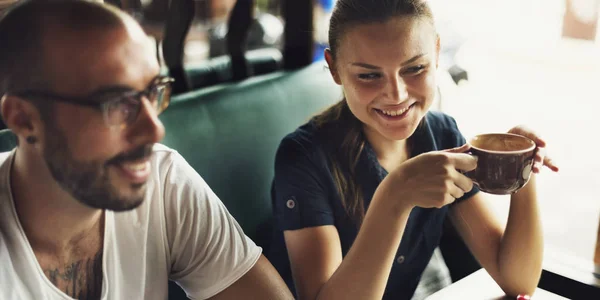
[{"x": 361, "y": 191}]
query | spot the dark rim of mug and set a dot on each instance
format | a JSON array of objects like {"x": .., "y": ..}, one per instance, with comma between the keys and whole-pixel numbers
[{"x": 528, "y": 140}]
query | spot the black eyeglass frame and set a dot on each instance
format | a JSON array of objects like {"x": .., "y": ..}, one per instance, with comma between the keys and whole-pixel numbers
[{"x": 162, "y": 84}]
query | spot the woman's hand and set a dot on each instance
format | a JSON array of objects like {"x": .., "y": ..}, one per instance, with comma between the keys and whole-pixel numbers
[
  {"x": 432, "y": 179},
  {"x": 541, "y": 159}
]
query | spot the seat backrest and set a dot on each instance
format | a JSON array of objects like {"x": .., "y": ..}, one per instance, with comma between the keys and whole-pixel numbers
[
  {"x": 230, "y": 133},
  {"x": 237, "y": 65},
  {"x": 219, "y": 69}
]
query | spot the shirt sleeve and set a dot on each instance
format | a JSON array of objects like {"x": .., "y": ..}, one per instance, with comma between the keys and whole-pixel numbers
[
  {"x": 458, "y": 139},
  {"x": 300, "y": 197},
  {"x": 208, "y": 249}
]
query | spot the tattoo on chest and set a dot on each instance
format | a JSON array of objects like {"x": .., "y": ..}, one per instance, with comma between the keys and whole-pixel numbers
[{"x": 80, "y": 280}]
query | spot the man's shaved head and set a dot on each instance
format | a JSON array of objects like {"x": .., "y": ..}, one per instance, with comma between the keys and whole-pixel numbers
[
  {"x": 95, "y": 54},
  {"x": 28, "y": 27}
]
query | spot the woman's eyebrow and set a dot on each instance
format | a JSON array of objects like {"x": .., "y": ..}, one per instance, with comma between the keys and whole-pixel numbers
[{"x": 373, "y": 67}]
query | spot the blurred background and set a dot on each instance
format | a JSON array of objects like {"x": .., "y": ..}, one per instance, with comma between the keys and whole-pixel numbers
[{"x": 533, "y": 62}]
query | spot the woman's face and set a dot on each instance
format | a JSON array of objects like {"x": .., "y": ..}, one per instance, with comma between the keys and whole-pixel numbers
[{"x": 387, "y": 71}]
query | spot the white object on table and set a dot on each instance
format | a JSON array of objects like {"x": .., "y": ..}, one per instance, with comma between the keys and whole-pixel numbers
[{"x": 481, "y": 286}]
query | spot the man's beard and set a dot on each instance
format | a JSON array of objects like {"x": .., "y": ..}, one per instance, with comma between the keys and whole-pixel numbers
[{"x": 89, "y": 182}]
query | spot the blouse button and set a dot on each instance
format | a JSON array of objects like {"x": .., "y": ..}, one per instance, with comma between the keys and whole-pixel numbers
[
  {"x": 400, "y": 259},
  {"x": 290, "y": 204}
]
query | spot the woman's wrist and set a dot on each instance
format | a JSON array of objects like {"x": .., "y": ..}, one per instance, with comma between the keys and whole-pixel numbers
[
  {"x": 527, "y": 192},
  {"x": 391, "y": 198}
]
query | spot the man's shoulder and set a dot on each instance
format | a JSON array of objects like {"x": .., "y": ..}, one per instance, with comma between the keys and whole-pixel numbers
[
  {"x": 5, "y": 162},
  {"x": 174, "y": 170},
  {"x": 4, "y": 156},
  {"x": 162, "y": 149},
  {"x": 164, "y": 157}
]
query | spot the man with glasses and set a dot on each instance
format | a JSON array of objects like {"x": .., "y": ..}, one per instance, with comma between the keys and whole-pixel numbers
[{"x": 91, "y": 206}]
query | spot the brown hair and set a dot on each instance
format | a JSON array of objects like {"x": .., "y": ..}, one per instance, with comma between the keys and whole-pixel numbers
[{"x": 342, "y": 126}]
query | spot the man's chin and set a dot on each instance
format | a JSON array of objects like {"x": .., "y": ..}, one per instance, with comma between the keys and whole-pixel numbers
[
  {"x": 126, "y": 205},
  {"x": 118, "y": 205},
  {"x": 134, "y": 197},
  {"x": 118, "y": 201}
]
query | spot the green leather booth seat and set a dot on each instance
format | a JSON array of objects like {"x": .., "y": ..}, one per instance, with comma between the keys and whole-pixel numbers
[
  {"x": 229, "y": 133},
  {"x": 8, "y": 140}
]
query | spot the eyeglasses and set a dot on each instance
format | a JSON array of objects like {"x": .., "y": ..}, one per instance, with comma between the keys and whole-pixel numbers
[{"x": 117, "y": 108}]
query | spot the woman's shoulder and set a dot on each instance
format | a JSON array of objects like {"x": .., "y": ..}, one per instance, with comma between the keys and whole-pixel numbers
[
  {"x": 313, "y": 135},
  {"x": 304, "y": 142},
  {"x": 305, "y": 137},
  {"x": 444, "y": 130},
  {"x": 439, "y": 121}
]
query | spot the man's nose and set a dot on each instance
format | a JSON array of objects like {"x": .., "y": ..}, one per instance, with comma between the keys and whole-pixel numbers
[{"x": 147, "y": 129}]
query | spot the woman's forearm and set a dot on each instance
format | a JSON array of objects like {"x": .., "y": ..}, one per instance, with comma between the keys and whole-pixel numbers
[
  {"x": 364, "y": 272},
  {"x": 521, "y": 250}
]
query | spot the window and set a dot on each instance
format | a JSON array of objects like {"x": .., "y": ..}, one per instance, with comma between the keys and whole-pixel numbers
[{"x": 522, "y": 70}]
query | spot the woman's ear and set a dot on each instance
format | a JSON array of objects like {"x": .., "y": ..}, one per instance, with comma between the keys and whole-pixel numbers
[{"x": 331, "y": 65}]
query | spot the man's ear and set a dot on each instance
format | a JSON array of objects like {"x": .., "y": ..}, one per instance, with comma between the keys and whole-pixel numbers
[
  {"x": 331, "y": 65},
  {"x": 20, "y": 116}
]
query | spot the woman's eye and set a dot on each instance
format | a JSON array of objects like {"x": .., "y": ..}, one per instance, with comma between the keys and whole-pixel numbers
[
  {"x": 414, "y": 70},
  {"x": 369, "y": 76}
]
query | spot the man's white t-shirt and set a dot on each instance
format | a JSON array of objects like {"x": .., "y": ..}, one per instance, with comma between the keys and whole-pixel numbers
[{"x": 181, "y": 232}]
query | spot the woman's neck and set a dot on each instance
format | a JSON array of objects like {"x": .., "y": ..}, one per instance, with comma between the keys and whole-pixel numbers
[{"x": 390, "y": 153}]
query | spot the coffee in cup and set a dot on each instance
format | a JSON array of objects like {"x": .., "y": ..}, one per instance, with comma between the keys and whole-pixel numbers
[{"x": 504, "y": 164}]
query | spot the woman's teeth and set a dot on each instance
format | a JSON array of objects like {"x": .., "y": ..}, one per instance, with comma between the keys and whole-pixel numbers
[{"x": 394, "y": 113}]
